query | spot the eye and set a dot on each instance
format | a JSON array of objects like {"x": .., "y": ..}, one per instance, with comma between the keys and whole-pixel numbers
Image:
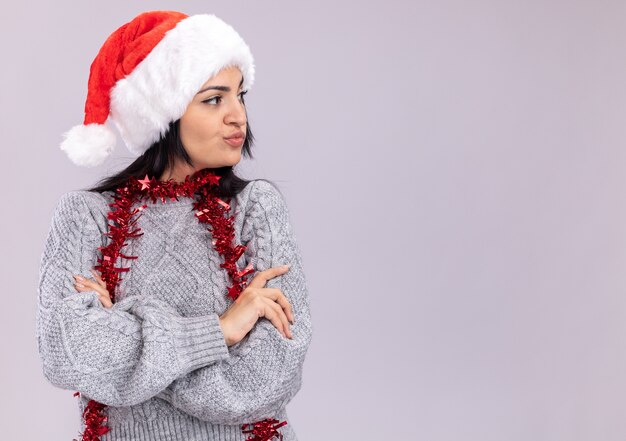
[
  {"x": 212, "y": 98},
  {"x": 219, "y": 97}
]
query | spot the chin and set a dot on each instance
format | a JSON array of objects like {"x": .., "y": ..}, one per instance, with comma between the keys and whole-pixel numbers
[{"x": 232, "y": 160}]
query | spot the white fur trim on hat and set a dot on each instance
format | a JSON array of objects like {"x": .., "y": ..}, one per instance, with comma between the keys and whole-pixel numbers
[
  {"x": 161, "y": 87},
  {"x": 88, "y": 145}
]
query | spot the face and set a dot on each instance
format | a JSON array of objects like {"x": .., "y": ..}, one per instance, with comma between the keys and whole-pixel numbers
[{"x": 216, "y": 113}]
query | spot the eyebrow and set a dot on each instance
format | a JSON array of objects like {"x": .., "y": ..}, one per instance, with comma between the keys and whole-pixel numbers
[{"x": 222, "y": 88}]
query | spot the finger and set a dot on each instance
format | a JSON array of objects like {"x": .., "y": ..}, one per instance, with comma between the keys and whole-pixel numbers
[
  {"x": 260, "y": 279},
  {"x": 283, "y": 318},
  {"x": 104, "y": 297},
  {"x": 94, "y": 286},
  {"x": 273, "y": 316},
  {"x": 278, "y": 296},
  {"x": 106, "y": 301},
  {"x": 98, "y": 278}
]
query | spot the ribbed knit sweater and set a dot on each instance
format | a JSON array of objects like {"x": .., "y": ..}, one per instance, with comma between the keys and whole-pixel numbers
[{"x": 158, "y": 357}]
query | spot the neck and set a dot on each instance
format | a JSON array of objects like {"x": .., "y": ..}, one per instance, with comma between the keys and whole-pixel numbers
[{"x": 178, "y": 173}]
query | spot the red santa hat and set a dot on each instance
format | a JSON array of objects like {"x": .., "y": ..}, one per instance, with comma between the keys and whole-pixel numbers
[{"x": 145, "y": 75}]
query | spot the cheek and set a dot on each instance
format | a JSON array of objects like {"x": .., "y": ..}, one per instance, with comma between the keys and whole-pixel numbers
[{"x": 197, "y": 127}]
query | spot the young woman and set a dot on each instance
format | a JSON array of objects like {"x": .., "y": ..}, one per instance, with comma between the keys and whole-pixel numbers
[{"x": 172, "y": 297}]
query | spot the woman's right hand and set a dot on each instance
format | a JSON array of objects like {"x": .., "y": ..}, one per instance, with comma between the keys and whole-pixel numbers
[{"x": 254, "y": 302}]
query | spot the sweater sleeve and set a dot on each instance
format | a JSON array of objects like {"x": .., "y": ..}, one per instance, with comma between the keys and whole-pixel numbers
[
  {"x": 118, "y": 356},
  {"x": 264, "y": 371}
]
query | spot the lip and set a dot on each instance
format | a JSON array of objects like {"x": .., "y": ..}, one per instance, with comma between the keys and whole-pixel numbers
[
  {"x": 235, "y": 141},
  {"x": 237, "y": 134}
]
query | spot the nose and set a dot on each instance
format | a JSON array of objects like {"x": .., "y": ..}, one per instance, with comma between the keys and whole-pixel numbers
[{"x": 236, "y": 114}]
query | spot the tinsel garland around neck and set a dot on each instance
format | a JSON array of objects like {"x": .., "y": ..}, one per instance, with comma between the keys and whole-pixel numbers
[{"x": 209, "y": 209}]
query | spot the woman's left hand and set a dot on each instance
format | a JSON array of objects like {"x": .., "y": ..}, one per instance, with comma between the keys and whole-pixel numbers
[{"x": 98, "y": 285}]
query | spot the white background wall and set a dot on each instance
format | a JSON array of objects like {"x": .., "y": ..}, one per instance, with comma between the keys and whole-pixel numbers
[{"x": 456, "y": 176}]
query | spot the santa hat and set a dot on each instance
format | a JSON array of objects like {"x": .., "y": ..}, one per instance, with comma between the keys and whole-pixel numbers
[{"x": 145, "y": 75}]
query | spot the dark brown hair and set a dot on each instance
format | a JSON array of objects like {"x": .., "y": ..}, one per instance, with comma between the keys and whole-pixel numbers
[{"x": 164, "y": 153}]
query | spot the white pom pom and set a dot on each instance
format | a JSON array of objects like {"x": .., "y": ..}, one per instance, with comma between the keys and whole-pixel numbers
[{"x": 88, "y": 145}]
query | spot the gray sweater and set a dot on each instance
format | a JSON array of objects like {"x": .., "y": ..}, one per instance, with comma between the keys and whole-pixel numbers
[{"x": 158, "y": 358}]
